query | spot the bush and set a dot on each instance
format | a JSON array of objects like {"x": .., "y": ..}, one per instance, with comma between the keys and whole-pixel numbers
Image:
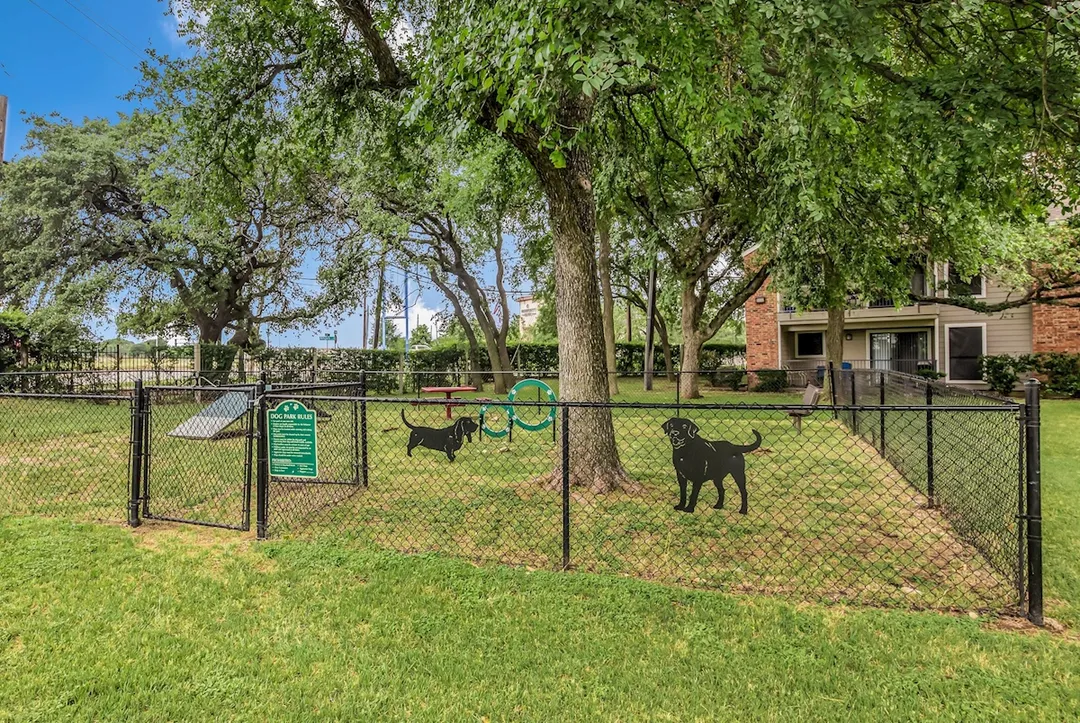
[
  {"x": 729, "y": 378},
  {"x": 1000, "y": 372},
  {"x": 1060, "y": 372},
  {"x": 771, "y": 380}
]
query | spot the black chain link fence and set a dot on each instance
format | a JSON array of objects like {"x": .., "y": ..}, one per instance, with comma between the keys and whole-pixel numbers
[
  {"x": 64, "y": 455},
  {"x": 828, "y": 516},
  {"x": 903, "y": 493}
]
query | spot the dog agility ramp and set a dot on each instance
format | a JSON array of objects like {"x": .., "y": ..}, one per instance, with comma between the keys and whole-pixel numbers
[{"x": 213, "y": 420}]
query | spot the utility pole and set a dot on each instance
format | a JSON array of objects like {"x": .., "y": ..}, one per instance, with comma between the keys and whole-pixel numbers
[
  {"x": 406, "y": 313},
  {"x": 3, "y": 125}
]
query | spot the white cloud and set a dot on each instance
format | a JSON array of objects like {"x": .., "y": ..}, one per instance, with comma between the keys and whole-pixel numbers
[{"x": 179, "y": 20}]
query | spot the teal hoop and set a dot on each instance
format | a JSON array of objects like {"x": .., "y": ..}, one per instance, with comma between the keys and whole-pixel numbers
[
  {"x": 537, "y": 384},
  {"x": 497, "y": 433}
]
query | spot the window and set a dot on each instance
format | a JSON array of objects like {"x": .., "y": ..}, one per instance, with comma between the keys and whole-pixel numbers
[
  {"x": 963, "y": 347},
  {"x": 809, "y": 344},
  {"x": 918, "y": 280},
  {"x": 975, "y": 286}
]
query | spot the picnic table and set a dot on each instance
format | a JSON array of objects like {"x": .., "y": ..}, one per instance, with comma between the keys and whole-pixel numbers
[{"x": 449, "y": 392}]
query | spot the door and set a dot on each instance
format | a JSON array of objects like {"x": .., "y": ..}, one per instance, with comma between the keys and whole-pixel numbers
[
  {"x": 899, "y": 351},
  {"x": 199, "y": 456}
]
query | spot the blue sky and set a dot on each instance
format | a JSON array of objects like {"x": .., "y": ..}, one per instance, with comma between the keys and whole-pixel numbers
[{"x": 78, "y": 57}]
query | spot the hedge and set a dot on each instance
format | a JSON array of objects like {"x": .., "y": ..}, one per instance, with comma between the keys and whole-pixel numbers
[
  {"x": 1060, "y": 372},
  {"x": 292, "y": 363}
]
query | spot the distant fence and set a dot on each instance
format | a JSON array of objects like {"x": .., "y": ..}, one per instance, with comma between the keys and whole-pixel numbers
[{"x": 901, "y": 493}]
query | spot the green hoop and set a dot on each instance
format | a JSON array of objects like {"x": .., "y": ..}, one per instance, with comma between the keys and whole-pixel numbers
[
  {"x": 546, "y": 421},
  {"x": 497, "y": 433}
]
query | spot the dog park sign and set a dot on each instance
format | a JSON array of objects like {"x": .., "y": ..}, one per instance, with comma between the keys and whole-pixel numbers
[{"x": 293, "y": 445}]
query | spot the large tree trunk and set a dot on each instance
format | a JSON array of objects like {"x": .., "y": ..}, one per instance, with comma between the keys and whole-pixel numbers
[
  {"x": 834, "y": 334},
  {"x": 603, "y": 233},
  {"x": 594, "y": 457}
]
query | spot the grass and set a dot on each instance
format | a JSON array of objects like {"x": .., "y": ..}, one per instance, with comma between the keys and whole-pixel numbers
[
  {"x": 98, "y": 623},
  {"x": 172, "y": 622}
]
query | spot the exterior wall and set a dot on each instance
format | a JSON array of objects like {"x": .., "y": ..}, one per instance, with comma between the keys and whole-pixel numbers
[
  {"x": 762, "y": 332},
  {"x": 1055, "y": 328},
  {"x": 1006, "y": 333}
]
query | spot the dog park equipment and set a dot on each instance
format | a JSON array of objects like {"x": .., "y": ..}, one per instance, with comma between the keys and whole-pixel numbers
[
  {"x": 512, "y": 419},
  {"x": 216, "y": 418}
]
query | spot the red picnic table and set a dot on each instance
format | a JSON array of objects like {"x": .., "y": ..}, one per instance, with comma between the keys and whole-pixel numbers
[{"x": 449, "y": 392}]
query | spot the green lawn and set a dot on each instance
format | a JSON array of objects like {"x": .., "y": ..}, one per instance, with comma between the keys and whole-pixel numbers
[{"x": 173, "y": 622}]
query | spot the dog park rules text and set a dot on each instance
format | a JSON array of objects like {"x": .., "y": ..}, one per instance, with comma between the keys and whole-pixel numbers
[{"x": 293, "y": 448}]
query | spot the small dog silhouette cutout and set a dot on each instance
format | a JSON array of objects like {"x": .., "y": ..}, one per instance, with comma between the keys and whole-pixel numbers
[
  {"x": 698, "y": 460},
  {"x": 448, "y": 439}
]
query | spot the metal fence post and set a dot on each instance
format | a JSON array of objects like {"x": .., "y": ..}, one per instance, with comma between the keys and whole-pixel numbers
[
  {"x": 565, "y": 488},
  {"x": 1034, "y": 502},
  {"x": 117, "y": 368},
  {"x": 137, "y": 435},
  {"x": 930, "y": 445},
  {"x": 881, "y": 401},
  {"x": 854, "y": 414},
  {"x": 261, "y": 465},
  {"x": 363, "y": 429}
]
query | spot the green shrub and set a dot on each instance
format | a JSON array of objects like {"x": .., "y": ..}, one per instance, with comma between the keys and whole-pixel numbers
[
  {"x": 771, "y": 380},
  {"x": 1060, "y": 371},
  {"x": 729, "y": 378},
  {"x": 999, "y": 372}
]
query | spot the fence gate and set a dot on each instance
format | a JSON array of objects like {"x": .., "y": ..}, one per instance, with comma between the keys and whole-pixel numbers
[{"x": 197, "y": 454}]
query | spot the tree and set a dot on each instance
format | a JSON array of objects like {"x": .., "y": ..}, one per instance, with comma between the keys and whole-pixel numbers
[
  {"x": 123, "y": 211},
  {"x": 688, "y": 180},
  {"x": 533, "y": 74},
  {"x": 448, "y": 207},
  {"x": 420, "y": 335},
  {"x": 956, "y": 120}
]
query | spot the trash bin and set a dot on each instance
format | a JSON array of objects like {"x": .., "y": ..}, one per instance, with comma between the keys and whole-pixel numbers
[
  {"x": 845, "y": 365},
  {"x": 819, "y": 376}
]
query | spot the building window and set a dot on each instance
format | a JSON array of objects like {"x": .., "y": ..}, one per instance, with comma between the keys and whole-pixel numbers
[
  {"x": 974, "y": 286},
  {"x": 809, "y": 344},
  {"x": 964, "y": 346}
]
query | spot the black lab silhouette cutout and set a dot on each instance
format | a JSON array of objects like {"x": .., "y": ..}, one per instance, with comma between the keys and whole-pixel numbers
[
  {"x": 448, "y": 439},
  {"x": 698, "y": 460}
]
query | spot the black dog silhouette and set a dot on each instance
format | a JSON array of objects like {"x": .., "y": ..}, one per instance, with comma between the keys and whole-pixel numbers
[
  {"x": 697, "y": 460},
  {"x": 448, "y": 439}
]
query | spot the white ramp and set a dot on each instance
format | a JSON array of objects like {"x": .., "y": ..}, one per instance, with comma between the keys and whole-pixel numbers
[{"x": 213, "y": 420}]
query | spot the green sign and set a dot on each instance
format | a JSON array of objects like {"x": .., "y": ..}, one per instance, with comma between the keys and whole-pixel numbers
[{"x": 293, "y": 448}]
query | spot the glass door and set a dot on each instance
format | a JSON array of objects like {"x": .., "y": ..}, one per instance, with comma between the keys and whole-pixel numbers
[{"x": 899, "y": 351}]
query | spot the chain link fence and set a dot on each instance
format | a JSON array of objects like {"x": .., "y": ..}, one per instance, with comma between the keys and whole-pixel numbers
[{"x": 902, "y": 493}]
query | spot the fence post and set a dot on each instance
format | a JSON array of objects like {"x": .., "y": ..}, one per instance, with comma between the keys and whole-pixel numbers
[
  {"x": 262, "y": 464},
  {"x": 137, "y": 435},
  {"x": 881, "y": 401},
  {"x": 363, "y": 429},
  {"x": 930, "y": 445},
  {"x": 565, "y": 488},
  {"x": 832, "y": 389},
  {"x": 1032, "y": 434},
  {"x": 854, "y": 414},
  {"x": 117, "y": 368}
]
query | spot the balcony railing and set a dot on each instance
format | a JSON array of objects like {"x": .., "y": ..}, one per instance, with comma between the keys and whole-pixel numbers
[{"x": 906, "y": 366}]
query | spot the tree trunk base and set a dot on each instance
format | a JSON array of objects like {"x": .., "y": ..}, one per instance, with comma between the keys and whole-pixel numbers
[{"x": 599, "y": 482}]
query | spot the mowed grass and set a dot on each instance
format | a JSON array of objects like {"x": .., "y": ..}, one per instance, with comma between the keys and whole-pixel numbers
[
  {"x": 171, "y": 622},
  {"x": 99, "y": 623}
]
